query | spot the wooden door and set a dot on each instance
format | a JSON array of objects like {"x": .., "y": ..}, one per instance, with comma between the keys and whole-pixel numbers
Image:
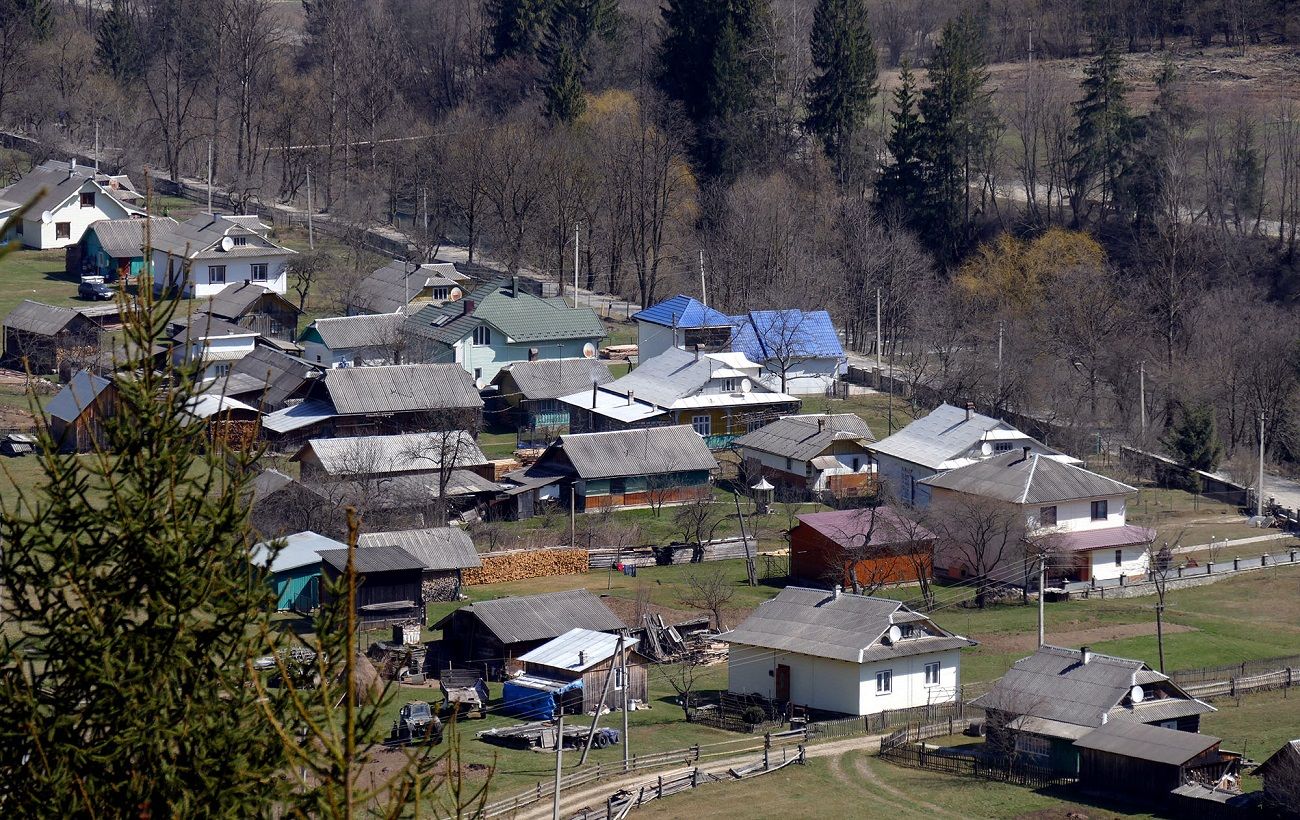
[{"x": 782, "y": 682}]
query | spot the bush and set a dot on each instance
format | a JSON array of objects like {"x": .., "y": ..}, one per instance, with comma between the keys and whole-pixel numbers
[{"x": 754, "y": 714}]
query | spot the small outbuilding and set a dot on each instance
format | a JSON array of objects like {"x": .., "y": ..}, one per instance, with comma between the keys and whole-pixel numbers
[
  {"x": 867, "y": 547},
  {"x": 1281, "y": 776},
  {"x": 77, "y": 412},
  {"x": 48, "y": 338},
  {"x": 571, "y": 669},
  {"x": 444, "y": 552},
  {"x": 1147, "y": 760},
  {"x": 813, "y": 454},
  {"x": 294, "y": 571},
  {"x": 388, "y": 584}
]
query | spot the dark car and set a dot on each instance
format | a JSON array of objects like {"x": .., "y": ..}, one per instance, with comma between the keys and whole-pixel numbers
[{"x": 94, "y": 291}]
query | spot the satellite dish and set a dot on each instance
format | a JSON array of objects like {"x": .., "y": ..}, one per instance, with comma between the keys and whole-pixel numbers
[
  {"x": 1136, "y": 694},
  {"x": 589, "y": 351},
  {"x": 455, "y": 294},
  {"x": 227, "y": 243},
  {"x": 746, "y": 385},
  {"x": 894, "y": 634},
  {"x": 47, "y": 217}
]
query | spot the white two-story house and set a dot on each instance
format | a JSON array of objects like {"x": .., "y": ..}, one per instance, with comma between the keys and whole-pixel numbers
[
  {"x": 1077, "y": 515},
  {"x": 839, "y": 652},
  {"x": 214, "y": 343},
  {"x": 200, "y": 257},
  {"x": 64, "y": 199}
]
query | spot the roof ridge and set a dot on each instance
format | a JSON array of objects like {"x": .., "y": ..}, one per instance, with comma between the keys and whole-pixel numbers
[{"x": 1029, "y": 480}]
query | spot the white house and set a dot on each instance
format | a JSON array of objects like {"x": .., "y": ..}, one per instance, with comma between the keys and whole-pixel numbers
[
  {"x": 846, "y": 653},
  {"x": 214, "y": 342},
  {"x": 200, "y": 257},
  {"x": 947, "y": 438},
  {"x": 364, "y": 340},
  {"x": 64, "y": 199},
  {"x": 1079, "y": 515},
  {"x": 816, "y": 453}
]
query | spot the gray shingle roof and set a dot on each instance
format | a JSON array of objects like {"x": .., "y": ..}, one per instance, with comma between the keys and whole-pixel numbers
[
  {"x": 283, "y": 375},
  {"x": 439, "y": 548},
  {"x": 542, "y": 617},
  {"x": 553, "y": 378},
  {"x": 803, "y": 437},
  {"x": 204, "y": 326},
  {"x": 365, "y": 330},
  {"x": 405, "y": 453},
  {"x": 373, "y": 559},
  {"x": 1137, "y": 740},
  {"x": 942, "y": 435},
  {"x": 1033, "y": 480},
  {"x": 56, "y": 182},
  {"x": 39, "y": 318},
  {"x": 845, "y": 627},
  {"x": 620, "y": 453},
  {"x": 232, "y": 301},
  {"x": 389, "y": 288},
  {"x": 124, "y": 238},
  {"x": 400, "y": 388}
]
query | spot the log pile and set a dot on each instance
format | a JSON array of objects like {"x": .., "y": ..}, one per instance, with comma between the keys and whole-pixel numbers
[
  {"x": 501, "y": 466},
  {"x": 618, "y": 353},
  {"x": 516, "y": 565}
]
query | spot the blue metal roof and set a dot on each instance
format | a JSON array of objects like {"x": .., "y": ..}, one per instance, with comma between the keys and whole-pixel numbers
[
  {"x": 764, "y": 334},
  {"x": 683, "y": 311}
]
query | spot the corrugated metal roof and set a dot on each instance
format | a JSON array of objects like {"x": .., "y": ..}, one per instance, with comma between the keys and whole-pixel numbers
[
  {"x": 401, "y": 388},
  {"x": 942, "y": 435},
  {"x": 300, "y": 550},
  {"x": 438, "y": 548},
  {"x": 553, "y": 378},
  {"x": 373, "y": 559},
  {"x": 682, "y": 311},
  {"x": 390, "y": 288},
  {"x": 79, "y": 393},
  {"x": 1034, "y": 480},
  {"x": 39, "y": 318},
  {"x": 842, "y": 627},
  {"x": 577, "y": 650},
  {"x": 404, "y": 453},
  {"x": 1139, "y": 741},
  {"x": 199, "y": 326},
  {"x": 620, "y": 453},
  {"x": 803, "y": 437},
  {"x": 1048, "y": 728},
  {"x": 232, "y": 301},
  {"x": 1158, "y": 709},
  {"x": 523, "y": 317},
  {"x": 124, "y": 238},
  {"x": 298, "y": 416},
  {"x": 365, "y": 330},
  {"x": 850, "y": 528},
  {"x": 788, "y": 335},
  {"x": 201, "y": 235},
  {"x": 55, "y": 181},
  {"x": 283, "y": 375},
  {"x": 542, "y": 617},
  {"x": 206, "y": 405}
]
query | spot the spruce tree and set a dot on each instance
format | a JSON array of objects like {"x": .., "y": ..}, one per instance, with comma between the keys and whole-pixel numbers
[
  {"x": 1103, "y": 135},
  {"x": 1145, "y": 178},
  {"x": 844, "y": 82},
  {"x": 117, "y": 44},
  {"x": 564, "y": 98},
  {"x": 573, "y": 25},
  {"x": 900, "y": 190},
  {"x": 517, "y": 26},
  {"x": 1194, "y": 440}
]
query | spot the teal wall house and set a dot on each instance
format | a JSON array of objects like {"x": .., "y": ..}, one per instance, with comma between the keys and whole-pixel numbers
[
  {"x": 113, "y": 248},
  {"x": 295, "y": 570}
]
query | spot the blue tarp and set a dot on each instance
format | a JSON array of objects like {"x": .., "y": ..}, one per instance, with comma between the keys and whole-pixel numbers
[{"x": 536, "y": 698}]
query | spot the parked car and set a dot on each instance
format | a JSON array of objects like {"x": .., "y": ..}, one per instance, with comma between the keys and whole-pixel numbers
[{"x": 94, "y": 291}]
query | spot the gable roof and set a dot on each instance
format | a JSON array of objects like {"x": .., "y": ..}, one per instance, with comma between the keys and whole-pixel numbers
[
  {"x": 362, "y": 330},
  {"x": 839, "y": 626},
  {"x": 803, "y": 437},
  {"x": 674, "y": 379},
  {"x": 1055, "y": 684},
  {"x": 301, "y": 549},
  {"x": 373, "y": 559},
  {"x": 52, "y": 183},
  {"x": 523, "y": 317},
  {"x": 577, "y": 650},
  {"x": 200, "y": 237},
  {"x": 279, "y": 374},
  {"x": 848, "y": 527},
  {"x": 40, "y": 318},
  {"x": 407, "y": 452},
  {"x": 683, "y": 311},
  {"x": 391, "y": 287},
  {"x": 400, "y": 388},
  {"x": 124, "y": 238},
  {"x": 940, "y": 439},
  {"x": 1288, "y": 754},
  {"x": 200, "y": 326},
  {"x": 786, "y": 334},
  {"x": 1034, "y": 480},
  {"x": 78, "y": 394},
  {"x": 553, "y": 378},
  {"x": 438, "y": 548},
  {"x": 1137, "y": 740},
  {"x": 541, "y": 617},
  {"x": 232, "y": 301},
  {"x": 621, "y": 453}
]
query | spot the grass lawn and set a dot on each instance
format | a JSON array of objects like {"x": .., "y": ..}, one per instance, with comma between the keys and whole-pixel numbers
[
  {"x": 874, "y": 408},
  {"x": 39, "y": 276}
]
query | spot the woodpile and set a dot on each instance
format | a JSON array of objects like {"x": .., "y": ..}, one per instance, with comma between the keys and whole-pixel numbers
[
  {"x": 618, "y": 353},
  {"x": 516, "y": 565},
  {"x": 691, "y": 640},
  {"x": 501, "y": 466}
]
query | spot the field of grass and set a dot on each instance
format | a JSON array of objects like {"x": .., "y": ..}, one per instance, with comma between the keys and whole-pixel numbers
[{"x": 36, "y": 275}]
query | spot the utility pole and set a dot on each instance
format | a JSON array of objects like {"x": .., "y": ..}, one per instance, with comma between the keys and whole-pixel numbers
[
  {"x": 573, "y": 517},
  {"x": 97, "y": 147},
  {"x": 1042, "y": 582},
  {"x": 604, "y": 692},
  {"x": 209, "y": 176},
  {"x": 704, "y": 293},
  {"x": 1142, "y": 394},
  {"x": 559, "y": 763},
  {"x": 750, "y": 571},
  {"x": 311, "y": 237},
  {"x": 622, "y": 662},
  {"x": 879, "y": 344},
  {"x": 1259, "y": 492},
  {"x": 575, "y": 264},
  {"x": 1001, "y": 326}
]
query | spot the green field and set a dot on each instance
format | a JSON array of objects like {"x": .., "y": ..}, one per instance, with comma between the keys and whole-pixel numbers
[{"x": 39, "y": 276}]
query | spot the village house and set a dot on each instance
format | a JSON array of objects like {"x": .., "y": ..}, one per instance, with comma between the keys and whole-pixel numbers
[
  {"x": 114, "y": 248},
  {"x": 491, "y": 635},
  {"x": 364, "y": 340},
  {"x": 499, "y": 323},
  {"x": 200, "y": 257},
  {"x": 294, "y": 572},
  {"x": 947, "y": 438},
  {"x": 1075, "y": 514},
  {"x": 47, "y": 339},
  {"x": 529, "y": 394},
  {"x": 627, "y": 468},
  {"x": 684, "y": 323},
  {"x": 405, "y": 287},
  {"x": 279, "y": 505},
  {"x": 389, "y": 584},
  {"x": 1281, "y": 776},
  {"x": 266, "y": 379},
  {"x": 717, "y": 394},
  {"x": 445, "y": 553},
  {"x": 567, "y": 675},
  {"x": 383, "y": 400},
  {"x": 1052, "y": 698},
  {"x": 807, "y": 456},
  {"x": 361, "y": 457},
  {"x": 863, "y": 548},
  {"x": 844, "y": 653},
  {"x": 210, "y": 343},
  {"x": 257, "y": 308},
  {"x": 64, "y": 199},
  {"x": 77, "y": 412}
]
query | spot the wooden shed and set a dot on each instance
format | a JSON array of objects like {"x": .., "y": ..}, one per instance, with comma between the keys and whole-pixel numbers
[
  {"x": 47, "y": 338},
  {"x": 589, "y": 656},
  {"x": 77, "y": 412},
  {"x": 388, "y": 584},
  {"x": 877, "y": 545},
  {"x": 1122, "y": 756}
]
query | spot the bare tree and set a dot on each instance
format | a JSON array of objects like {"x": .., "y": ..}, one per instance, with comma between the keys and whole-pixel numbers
[
  {"x": 711, "y": 590},
  {"x": 683, "y": 677},
  {"x": 697, "y": 521},
  {"x": 1160, "y": 563},
  {"x": 981, "y": 537},
  {"x": 305, "y": 270}
]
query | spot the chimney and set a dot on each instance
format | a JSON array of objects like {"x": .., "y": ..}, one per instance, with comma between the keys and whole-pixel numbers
[
  {"x": 838, "y": 591},
  {"x": 466, "y": 307},
  {"x": 697, "y": 352},
  {"x": 1027, "y": 450},
  {"x": 821, "y": 425},
  {"x": 533, "y": 353},
  {"x": 970, "y": 409},
  {"x": 1086, "y": 655},
  {"x": 514, "y": 285},
  {"x": 631, "y": 397},
  {"x": 582, "y": 658},
  {"x": 594, "y": 386}
]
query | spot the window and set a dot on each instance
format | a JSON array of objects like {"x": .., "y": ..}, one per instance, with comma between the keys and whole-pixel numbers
[
  {"x": 618, "y": 678},
  {"x": 482, "y": 335},
  {"x": 885, "y": 682},
  {"x": 728, "y": 385},
  {"x": 62, "y": 230},
  {"x": 905, "y": 630},
  {"x": 1168, "y": 724},
  {"x": 932, "y": 674},
  {"x": 1047, "y": 516},
  {"x": 19, "y": 230},
  {"x": 221, "y": 370},
  {"x": 259, "y": 272},
  {"x": 856, "y": 463},
  {"x": 240, "y": 241},
  {"x": 1119, "y": 558},
  {"x": 617, "y": 486},
  {"x": 1099, "y": 510},
  {"x": 441, "y": 293},
  {"x": 1001, "y": 446},
  {"x": 88, "y": 199},
  {"x": 789, "y": 464},
  {"x": 216, "y": 274},
  {"x": 702, "y": 424},
  {"x": 478, "y": 373},
  {"x": 1033, "y": 746}
]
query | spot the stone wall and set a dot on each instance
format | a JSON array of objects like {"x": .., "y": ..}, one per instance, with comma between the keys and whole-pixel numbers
[{"x": 516, "y": 565}]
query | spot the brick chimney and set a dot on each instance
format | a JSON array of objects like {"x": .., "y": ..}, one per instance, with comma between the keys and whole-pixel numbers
[{"x": 970, "y": 409}]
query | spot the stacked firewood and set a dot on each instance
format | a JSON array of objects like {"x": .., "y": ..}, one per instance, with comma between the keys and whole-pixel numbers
[{"x": 515, "y": 565}]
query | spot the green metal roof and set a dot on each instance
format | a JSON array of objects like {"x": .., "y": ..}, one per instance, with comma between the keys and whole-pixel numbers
[{"x": 524, "y": 318}]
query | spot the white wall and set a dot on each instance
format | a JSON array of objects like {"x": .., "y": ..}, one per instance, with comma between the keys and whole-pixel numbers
[
  {"x": 42, "y": 235},
  {"x": 318, "y": 353},
  {"x": 238, "y": 269},
  {"x": 489, "y": 359},
  {"x": 652, "y": 339},
  {"x": 894, "y": 473},
  {"x": 909, "y": 689},
  {"x": 227, "y": 350},
  {"x": 1133, "y": 561},
  {"x": 805, "y": 378}
]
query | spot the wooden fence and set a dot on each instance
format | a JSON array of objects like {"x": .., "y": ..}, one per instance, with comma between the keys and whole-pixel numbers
[
  {"x": 1277, "y": 679},
  {"x": 1219, "y": 674},
  {"x": 904, "y": 748}
]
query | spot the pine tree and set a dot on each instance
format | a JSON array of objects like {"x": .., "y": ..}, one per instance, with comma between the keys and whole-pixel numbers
[
  {"x": 573, "y": 25},
  {"x": 564, "y": 98},
  {"x": 1145, "y": 179},
  {"x": 844, "y": 84},
  {"x": 1103, "y": 135},
  {"x": 1194, "y": 439},
  {"x": 901, "y": 187},
  {"x": 517, "y": 26},
  {"x": 117, "y": 44}
]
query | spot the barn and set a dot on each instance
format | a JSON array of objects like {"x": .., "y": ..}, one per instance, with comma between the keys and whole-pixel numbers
[
  {"x": 388, "y": 584},
  {"x": 76, "y": 412},
  {"x": 443, "y": 551},
  {"x": 870, "y": 546},
  {"x": 1147, "y": 760},
  {"x": 294, "y": 572},
  {"x": 568, "y": 674}
]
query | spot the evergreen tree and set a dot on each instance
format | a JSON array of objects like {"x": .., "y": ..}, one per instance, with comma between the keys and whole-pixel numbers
[
  {"x": 573, "y": 25},
  {"x": 517, "y": 26},
  {"x": 1145, "y": 178},
  {"x": 901, "y": 187},
  {"x": 564, "y": 98},
  {"x": 41, "y": 15},
  {"x": 1103, "y": 135},
  {"x": 117, "y": 44},
  {"x": 1194, "y": 440},
  {"x": 844, "y": 82}
]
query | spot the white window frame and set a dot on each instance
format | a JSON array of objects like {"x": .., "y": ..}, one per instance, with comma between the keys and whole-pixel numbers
[
  {"x": 482, "y": 336},
  {"x": 62, "y": 230},
  {"x": 256, "y": 268},
  {"x": 618, "y": 677},
  {"x": 216, "y": 274},
  {"x": 1001, "y": 446},
  {"x": 933, "y": 671},
  {"x": 240, "y": 241},
  {"x": 1033, "y": 746},
  {"x": 705, "y": 422},
  {"x": 728, "y": 385},
  {"x": 885, "y": 679},
  {"x": 221, "y": 370}
]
